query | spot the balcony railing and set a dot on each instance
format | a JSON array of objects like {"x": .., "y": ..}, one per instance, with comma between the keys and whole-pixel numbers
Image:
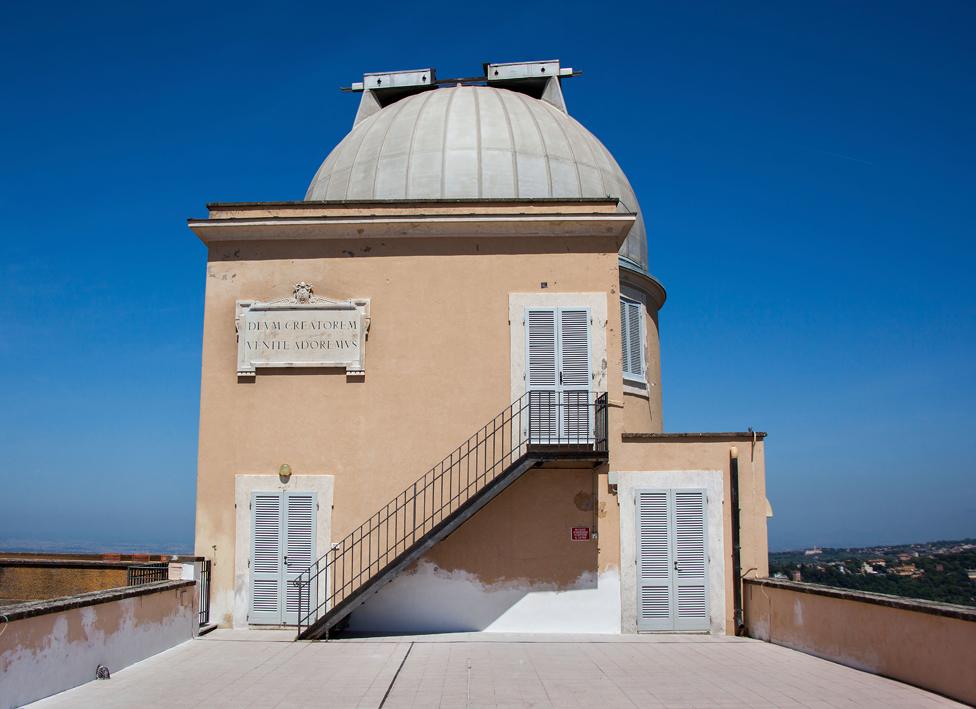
[{"x": 146, "y": 573}]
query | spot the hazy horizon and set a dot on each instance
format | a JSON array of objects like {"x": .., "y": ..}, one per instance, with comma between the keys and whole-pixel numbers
[{"x": 82, "y": 546}]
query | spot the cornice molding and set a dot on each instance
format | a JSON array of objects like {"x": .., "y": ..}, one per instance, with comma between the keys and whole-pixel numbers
[{"x": 616, "y": 226}]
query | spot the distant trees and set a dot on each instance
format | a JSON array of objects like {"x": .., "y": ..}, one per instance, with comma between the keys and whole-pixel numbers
[{"x": 943, "y": 577}]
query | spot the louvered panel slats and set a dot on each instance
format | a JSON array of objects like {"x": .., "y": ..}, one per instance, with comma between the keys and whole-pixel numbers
[
  {"x": 654, "y": 558},
  {"x": 632, "y": 340},
  {"x": 692, "y": 603},
  {"x": 574, "y": 346},
  {"x": 542, "y": 374},
  {"x": 691, "y": 578},
  {"x": 558, "y": 375},
  {"x": 654, "y": 561},
  {"x": 541, "y": 335},
  {"x": 267, "y": 533},
  {"x": 282, "y": 546},
  {"x": 301, "y": 531},
  {"x": 574, "y": 367},
  {"x": 576, "y": 417},
  {"x": 672, "y": 560},
  {"x": 265, "y": 596},
  {"x": 689, "y": 510},
  {"x": 300, "y": 534},
  {"x": 292, "y": 600},
  {"x": 266, "y": 552},
  {"x": 544, "y": 416},
  {"x": 625, "y": 336},
  {"x": 655, "y": 603}
]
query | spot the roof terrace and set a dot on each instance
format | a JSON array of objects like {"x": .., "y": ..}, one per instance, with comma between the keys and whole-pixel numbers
[{"x": 268, "y": 669}]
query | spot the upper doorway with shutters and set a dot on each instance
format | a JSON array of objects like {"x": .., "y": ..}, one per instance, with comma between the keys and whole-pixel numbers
[
  {"x": 282, "y": 546},
  {"x": 558, "y": 376}
]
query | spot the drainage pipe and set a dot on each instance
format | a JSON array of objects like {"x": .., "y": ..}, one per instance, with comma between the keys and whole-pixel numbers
[{"x": 737, "y": 617}]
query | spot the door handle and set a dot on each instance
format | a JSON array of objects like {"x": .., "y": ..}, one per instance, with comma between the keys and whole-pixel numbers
[
  {"x": 286, "y": 560},
  {"x": 676, "y": 566}
]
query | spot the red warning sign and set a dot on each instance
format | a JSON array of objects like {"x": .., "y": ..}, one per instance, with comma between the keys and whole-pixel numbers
[{"x": 581, "y": 534}]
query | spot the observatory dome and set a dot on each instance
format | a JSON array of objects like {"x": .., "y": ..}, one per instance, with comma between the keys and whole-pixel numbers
[{"x": 475, "y": 142}]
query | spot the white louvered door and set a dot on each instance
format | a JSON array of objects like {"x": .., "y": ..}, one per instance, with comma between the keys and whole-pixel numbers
[
  {"x": 299, "y": 547},
  {"x": 282, "y": 546},
  {"x": 574, "y": 375},
  {"x": 654, "y": 597},
  {"x": 672, "y": 560},
  {"x": 542, "y": 373},
  {"x": 691, "y": 560},
  {"x": 558, "y": 378},
  {"x": 266, "y": 552}
]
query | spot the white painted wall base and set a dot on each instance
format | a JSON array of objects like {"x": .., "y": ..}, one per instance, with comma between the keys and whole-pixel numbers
[{"x": 431, "y": 600}]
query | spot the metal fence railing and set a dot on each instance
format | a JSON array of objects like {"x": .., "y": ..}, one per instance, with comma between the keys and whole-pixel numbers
[
  {"x": 204, "y": 585},
  {"x": 146, "y": 573},
  {"x": 139, "y": 574}
]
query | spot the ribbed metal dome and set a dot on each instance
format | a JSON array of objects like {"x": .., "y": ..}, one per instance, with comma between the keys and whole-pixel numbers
[{"x": 470, "y": 142}]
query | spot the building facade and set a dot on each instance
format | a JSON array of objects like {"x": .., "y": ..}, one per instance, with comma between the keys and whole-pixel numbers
[{"x": 431, "y": 391}]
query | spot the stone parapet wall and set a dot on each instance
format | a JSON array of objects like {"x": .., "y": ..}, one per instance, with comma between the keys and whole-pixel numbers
[
  {"x": 929, "y": 645},
  {"x": 50, "y": 646},
  {"x": 41, "y": 579}
]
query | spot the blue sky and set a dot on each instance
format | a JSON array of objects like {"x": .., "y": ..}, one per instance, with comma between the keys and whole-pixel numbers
[{"x": 808, "y": 173}]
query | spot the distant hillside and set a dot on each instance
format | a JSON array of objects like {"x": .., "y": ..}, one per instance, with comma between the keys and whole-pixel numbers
[{"x": 942, "y": 571}]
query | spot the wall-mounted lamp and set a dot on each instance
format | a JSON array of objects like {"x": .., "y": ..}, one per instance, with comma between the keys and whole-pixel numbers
[{"x": 284, "y": 472}]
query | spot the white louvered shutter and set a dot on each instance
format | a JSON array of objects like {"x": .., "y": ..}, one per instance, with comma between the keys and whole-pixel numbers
[
  {"x": 299, "y": 547},
  {"x": 691, "y": 576},
  {"x": 542, "y": 373},
  {"x": 654, "y": 584},
  {"x": 574, "y": 373},
  {"x": 542, "y": 370},
  {"x": 266, "y": 552},
  {"x": 632, "y": 338},
  {"x": 625, "y": 336}
]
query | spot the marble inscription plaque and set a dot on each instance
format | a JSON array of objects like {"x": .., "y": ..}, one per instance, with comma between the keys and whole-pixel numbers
[{"x": 316, "y": 333}]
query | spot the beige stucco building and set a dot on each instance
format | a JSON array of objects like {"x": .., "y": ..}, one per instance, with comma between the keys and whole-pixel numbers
[{"x": 431, "y": 391}]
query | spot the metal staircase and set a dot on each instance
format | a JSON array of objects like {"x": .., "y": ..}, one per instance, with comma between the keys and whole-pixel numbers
[{"x": 541, "y": 426}]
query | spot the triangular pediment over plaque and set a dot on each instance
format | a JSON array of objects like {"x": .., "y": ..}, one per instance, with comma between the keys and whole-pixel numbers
[{"x": 304, "y": 330}]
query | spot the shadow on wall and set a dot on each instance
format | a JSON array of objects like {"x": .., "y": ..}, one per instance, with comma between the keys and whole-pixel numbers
[{"x": 429, "y": 599}]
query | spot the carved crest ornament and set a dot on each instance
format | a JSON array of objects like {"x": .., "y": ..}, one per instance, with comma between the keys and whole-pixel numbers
[{"x": 302, "y": 292}]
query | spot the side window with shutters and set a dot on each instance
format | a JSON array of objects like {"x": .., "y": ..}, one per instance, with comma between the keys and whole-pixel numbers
[{"x": 632, "y": 338}]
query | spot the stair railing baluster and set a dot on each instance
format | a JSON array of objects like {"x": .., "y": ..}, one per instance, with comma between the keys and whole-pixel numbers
[
  {"x": 484, "y": 455},
  {"x": 414, "y": 498}
]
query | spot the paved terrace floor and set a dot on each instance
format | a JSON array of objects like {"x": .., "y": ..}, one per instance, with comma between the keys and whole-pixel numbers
[{"x": 230, "y": 668}]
